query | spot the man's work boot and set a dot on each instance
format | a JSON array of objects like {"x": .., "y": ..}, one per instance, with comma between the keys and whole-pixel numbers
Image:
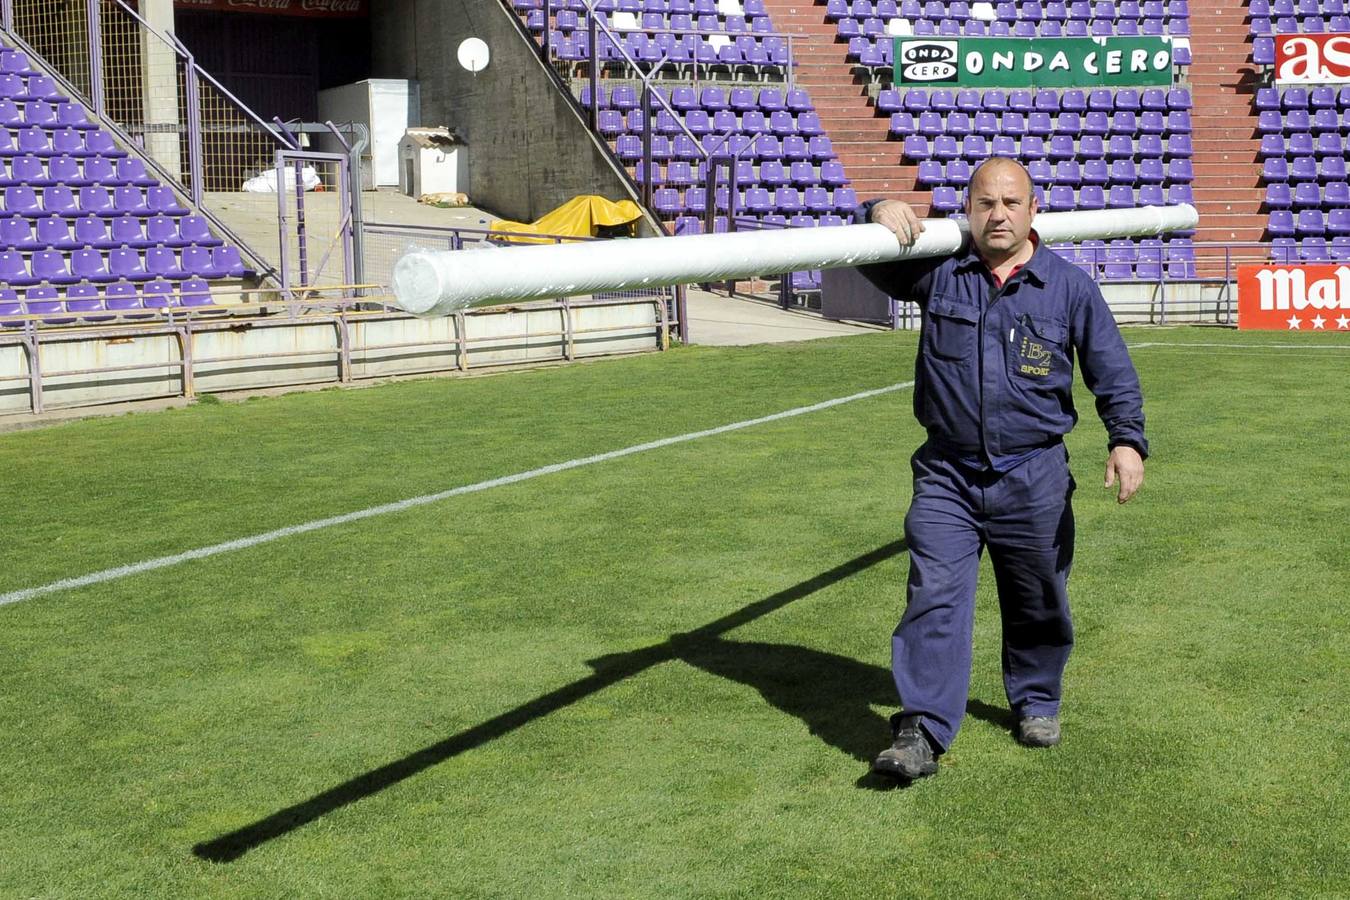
[
  {"x": 1038, "y": 731},
  {"x": 910, "y": 757}
]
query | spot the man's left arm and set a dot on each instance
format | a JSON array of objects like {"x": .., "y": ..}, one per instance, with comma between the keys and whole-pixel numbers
[{"x": 1110, "y": 375}]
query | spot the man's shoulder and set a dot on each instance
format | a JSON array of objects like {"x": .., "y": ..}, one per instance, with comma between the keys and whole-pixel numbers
[{"x": 1060, "y": 271}]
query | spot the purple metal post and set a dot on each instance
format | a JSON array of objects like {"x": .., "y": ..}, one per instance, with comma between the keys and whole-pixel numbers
[
  {"x": 302, "y": 237},
  {"x": 594, "y": 75},
  {"x": 646, "y": 144},
  {"x": 192, "y": 86},
  {"x": 95, "y": 55}
]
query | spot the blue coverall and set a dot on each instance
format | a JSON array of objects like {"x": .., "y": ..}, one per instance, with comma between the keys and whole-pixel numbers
[{"x": 993, "y": 380}]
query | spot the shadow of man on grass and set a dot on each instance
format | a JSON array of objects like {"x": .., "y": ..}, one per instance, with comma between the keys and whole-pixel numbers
[{"x": 832, "y": 694}]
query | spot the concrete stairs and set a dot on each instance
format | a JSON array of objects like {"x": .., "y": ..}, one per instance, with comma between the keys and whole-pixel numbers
[
  {"x": 1227, "y": 186},
  {"x": 860, "y": 136}
]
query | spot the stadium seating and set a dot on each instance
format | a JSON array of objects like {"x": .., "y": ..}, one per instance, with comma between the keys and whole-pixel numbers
[{"x": 81, "y": 221}]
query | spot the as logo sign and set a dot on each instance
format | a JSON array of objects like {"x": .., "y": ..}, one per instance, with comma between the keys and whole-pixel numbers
[
  {"x": 1312, "y": 58},
  {"x": 1294, "y": 298},
  {"x": 928, "y": 62}
]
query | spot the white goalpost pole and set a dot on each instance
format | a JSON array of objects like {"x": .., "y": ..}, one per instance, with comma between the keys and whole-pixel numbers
[{"x": 440, "y": 283}]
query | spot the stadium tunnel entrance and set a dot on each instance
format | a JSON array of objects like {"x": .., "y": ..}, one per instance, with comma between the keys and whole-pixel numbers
[{"x": 276, "y": 55}]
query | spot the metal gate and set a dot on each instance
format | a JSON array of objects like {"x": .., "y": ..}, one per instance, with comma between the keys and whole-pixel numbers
[{"x": 314, "y": 210}]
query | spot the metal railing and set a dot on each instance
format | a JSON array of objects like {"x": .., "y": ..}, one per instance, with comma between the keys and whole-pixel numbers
[{"x": 184, "y": 327}]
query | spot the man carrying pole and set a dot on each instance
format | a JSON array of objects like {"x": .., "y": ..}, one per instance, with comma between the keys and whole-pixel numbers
[{"x": 1002, "y": 324}]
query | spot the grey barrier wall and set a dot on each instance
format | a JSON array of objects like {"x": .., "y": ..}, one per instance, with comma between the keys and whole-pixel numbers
[
  {"x": 529, "y": 147},
  {"x": 202, "y": 351}
]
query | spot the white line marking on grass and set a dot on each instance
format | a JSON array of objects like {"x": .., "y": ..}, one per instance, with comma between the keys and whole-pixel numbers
[
  {"x": 1220, "y": 346},
  {"x": 244, "y": 543}
]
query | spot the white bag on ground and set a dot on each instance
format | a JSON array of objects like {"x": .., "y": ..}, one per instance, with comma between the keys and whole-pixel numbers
[{"x": 266, "y": 183}]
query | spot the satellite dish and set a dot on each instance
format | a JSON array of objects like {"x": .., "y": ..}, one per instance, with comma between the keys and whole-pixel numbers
[{"x": 474, "y": 54}]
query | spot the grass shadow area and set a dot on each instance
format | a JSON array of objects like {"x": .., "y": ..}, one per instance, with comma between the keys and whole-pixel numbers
[{"x": 781, "y": 674}]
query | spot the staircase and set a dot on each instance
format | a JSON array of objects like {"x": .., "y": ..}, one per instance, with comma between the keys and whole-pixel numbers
[
  {"x": 1227, "y": 187},
  {"x": 860, "y": 137}
]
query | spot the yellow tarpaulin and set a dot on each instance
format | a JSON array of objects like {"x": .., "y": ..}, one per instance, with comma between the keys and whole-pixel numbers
[{"x": 578, "y": 217}]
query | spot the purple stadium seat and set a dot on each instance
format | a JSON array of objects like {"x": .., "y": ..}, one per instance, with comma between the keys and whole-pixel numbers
[
  {"x": 1180, "y": 170},
  {"x": 128, "y": 231},
  {"x": 92, "y": 231},
  {"x": 1152, "y": 195},
  {"x": 1094, "y": 171},
  {"x": 17, "y": 234},
  {"x": 72, "y": 115},
  {"x": 161, "y": 262},
  {"x": 126, "y": 263},
  {"x": 83, "y": 299},
  {"x": 96, "y": 200},
  {"x": 44, "y": 301},
  {"x": 930, "y": 173},
  {"x": 101, "y": 170},
  {"x": 1041, "y": 172},
  {"x": 1003, "y": 145},
  {"x": 158, "y": 294},
  {"x": 1278, "y": 196},
  {"x": 1059, "y": 198},
  {"x": 122, "y": 296},
  {"x": 228, "y": 259},
  {"x": 1313, "y": 250},
  {"x": 1275, "y": 169},
  {"x": 13, "y": 271},
  {"x": 1332, "y": 168},
  {"x": 845, "y": 200},
  {"x": 88, "y": 264},
  {"x": 958, "y": 124},
  {"x": 1120, "y": 196},
  {"x": 50, "y": 266},
  {"x": 1306, "y": 222},
  {"x": 817, "y": 200},
  {"x": 1091, "y": 196},
  {"x": 1281, "y": 223},
  {"x": 1067, "y": 172},
  {"x": 1306, "y": 195},
  {"x": 54, "y": 231},
  {"x": 1123, "y": 172},
  {"x": 1301, "y": 168},
  {"x": 21, "y": 201},
  {"x": 195, "y": 292}
]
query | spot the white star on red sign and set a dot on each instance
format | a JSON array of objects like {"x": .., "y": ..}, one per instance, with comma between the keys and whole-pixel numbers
[
  {"x": 1294, "y": 322},
  {"x": 1318, "y": 321},
  {"x": 1343, "y": 322}
]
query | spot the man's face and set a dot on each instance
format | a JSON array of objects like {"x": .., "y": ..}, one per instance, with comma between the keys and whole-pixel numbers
[{"x": 1000, "y": 208}]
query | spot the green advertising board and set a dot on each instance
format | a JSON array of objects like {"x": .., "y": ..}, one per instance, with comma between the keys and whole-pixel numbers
[{"x": 977, "y": 62}]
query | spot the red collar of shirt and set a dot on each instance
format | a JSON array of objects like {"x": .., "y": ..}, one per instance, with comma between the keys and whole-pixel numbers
[{"x": 998, "y": 282}]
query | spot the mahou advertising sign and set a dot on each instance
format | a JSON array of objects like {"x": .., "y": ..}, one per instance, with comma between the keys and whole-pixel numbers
[
  {"x": 1294, "y": 298},
  {"x": 1312, "y": 58},
  {"x": 340, "y": 9}
]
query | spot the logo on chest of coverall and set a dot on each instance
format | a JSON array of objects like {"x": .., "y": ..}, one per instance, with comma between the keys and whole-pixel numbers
[{"x": 1034, "y": 358}]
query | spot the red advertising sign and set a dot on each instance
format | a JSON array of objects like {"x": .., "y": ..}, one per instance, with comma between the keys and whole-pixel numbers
[
  {"x": 344, "y": 9},
  {"x": 1312, "y": 58},
  {"x": 1294, "y": 298}
]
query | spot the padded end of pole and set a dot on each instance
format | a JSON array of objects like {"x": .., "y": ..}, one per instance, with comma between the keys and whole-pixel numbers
[{"x": 417, "y": 285}]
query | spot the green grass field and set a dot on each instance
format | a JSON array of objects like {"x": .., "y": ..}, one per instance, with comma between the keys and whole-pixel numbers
[{"x": 663, "y": 675}]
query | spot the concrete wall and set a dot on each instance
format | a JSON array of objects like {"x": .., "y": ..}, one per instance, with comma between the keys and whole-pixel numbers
[
  {"x": 119, "y": 364},
  {"x": 529, "y": 150}
]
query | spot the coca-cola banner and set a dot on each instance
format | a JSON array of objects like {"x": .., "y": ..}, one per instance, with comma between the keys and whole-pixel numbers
[
  {"x": 1312, "y": 58},
  {"x": 342, "y": 9},
  {"x": 1294, "y": 298}
]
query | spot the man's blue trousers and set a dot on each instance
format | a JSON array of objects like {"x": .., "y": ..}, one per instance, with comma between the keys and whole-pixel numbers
[{"x": 1025, "y": 518}]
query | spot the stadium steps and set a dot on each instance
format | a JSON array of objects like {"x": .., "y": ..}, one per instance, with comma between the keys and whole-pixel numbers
[
  {"x": 860, "y": 137},
  {"x": 1228, "y": 190}
]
